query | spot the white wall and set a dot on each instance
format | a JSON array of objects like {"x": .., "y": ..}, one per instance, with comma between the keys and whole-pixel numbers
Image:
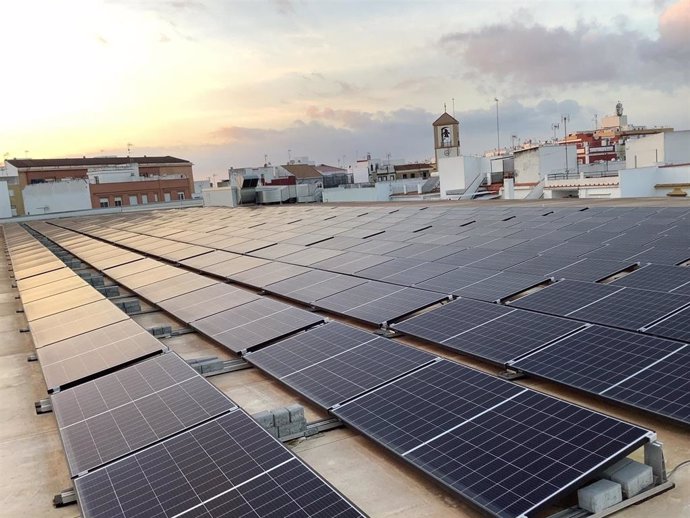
[
  {"x": 379, "y": 192},
  {"x": 49, "y": 197},
  {"x": 532, "y": 165},
  {"x": 677, "y": 147},
  {"x": 5, "y": 205},
  {"x": 219, "y": 197},
  {"x": 640, "y": 182},
  {"x": 458, "y": 172},
  {"x": 112, "y": 174},
  {"x": 644, "y": 152}
]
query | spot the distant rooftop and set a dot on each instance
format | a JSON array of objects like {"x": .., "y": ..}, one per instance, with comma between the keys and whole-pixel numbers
[{"x": 95, "y": 161}]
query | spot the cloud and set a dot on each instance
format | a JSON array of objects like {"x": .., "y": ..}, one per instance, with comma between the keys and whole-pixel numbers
[
  {"x": 284, "y": 6},
  {"x": 534, "y": 55}
]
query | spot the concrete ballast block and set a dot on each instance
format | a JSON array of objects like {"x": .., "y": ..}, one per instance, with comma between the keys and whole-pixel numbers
[
  {"x": 291, "y": 429},
  {"x": 264, "y": 418},
  {"x": 296, "y": 413},
  {"x": 600, "y": 495},
  {"x": 281, "y": 416},
  {"x": 634, "y": 477}
]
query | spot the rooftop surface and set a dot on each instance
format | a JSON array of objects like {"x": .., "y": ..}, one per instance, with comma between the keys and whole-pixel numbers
[{"x": 372, "y": 478}]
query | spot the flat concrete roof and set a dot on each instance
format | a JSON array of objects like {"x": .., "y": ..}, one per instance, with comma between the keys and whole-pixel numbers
[{"x": 34, "y": 466}]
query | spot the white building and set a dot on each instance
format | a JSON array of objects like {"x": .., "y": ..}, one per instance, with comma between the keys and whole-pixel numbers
[{"x": 655, "y": 165}]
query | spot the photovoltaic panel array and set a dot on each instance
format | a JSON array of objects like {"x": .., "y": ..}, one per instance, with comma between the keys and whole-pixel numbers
[
  {"x": 565, "y": 297},
  {"x": 228, "y": 466},
  {"x": 641, "y": 371},
  {"x": 122, "y": 412},
  {"x": 77, "y": 358},
  {"x": 507, "y": 449},
  {"x": 488, "y": 331},
  {"x": 378, "y": 302},
  {"x": 255, "y": 323},
  {"x": 207, "y": 301},
  {"x": 335, "y": 362},
  {"x": 313, "y": 285}
]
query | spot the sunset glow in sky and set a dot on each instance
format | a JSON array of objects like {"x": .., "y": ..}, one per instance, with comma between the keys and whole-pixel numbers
[{"x": 223, "y": 82}]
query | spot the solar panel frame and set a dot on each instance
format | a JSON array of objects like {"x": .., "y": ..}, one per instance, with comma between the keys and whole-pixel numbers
[
  {"x": 565, "y": 297},
  {"x": 450, "y": 319},
  {"x": 76, "y": 359},
  {"x": 630, "y": 308},
  {"x": 117, "y": 414},
  {"x": 61, "y": 302},
  {"x": 74, "y": 322},
  {"x": 247, "y": 472},
  {"x": 597, "y": 359},
  {"x": 255, "y": 323},
  {"x": 378, "y": 302},
  {"x": 656, "y": 277},
  {"x": 500, "y": 286},
  {"x": 425, "y": 409},
  {"x": 313, "y": 285}
]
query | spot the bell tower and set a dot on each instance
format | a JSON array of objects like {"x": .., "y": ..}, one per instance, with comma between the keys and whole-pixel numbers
[{"x": 446, "y": 137}]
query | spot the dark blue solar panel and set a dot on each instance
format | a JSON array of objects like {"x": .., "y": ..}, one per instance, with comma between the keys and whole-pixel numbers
[{"x": 507, "y": 449}]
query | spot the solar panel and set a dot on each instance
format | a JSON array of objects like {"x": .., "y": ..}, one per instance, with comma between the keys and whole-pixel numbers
[
  {"x": 138, "y": 280},
  {"x": 233, "y": 266},
  {"x": 450, "y": 319},
  {"x": 378, "y": 302},
  {"x": 631, "y": 308},
  {"x": 658, "y": 255},
  {"x": 119, "y": 413},
  {"x": 505, "y": 448},
  {"x": 53, "y": 288},
  {"x": 131, "y": 268},
  {"x": 209, "y": 259},
  {"x": 61, "y": 302},
  {"x": 187, "y": 252},
  {"x": 591, "y": 270},
  {"x": 73, "y": 322},
  {"x": 468, "y": 256},
  {"x": 26, "y": 273},
  {"x": 352, "y": 372},
  {"x": 310, "y": 256},
  {"x": 565, "y": 297},
  {"x": 75, "y": 359},
  {"x": 511, "y": 336},
  {"x": 543, "y": 264},
  {"x": 305, "y": 349},
  {"x": 313, "y": 285},
  {"x": 456, "y": 279},
  {"x": 351, "y": 262},
  {"x": 245, "y": 473},
  {"x": 174, "y": 287},
  {"x": 500, "y": 286},
  {"x": 278, "y": 250},
  {"x": 255, "y": 323},
  {"x": 262, "y": 276},
  {"x": 335, "y": 362},
  {"x": 44, "y": 279},
  {"x": 656, "y": 277},
  {"x": 206, "y": 301},
  {"x": 651, "y": 372},
  {"x": 409, "y": 274},
  {"x": 502, "y": 260},
  {"x": 677, "y": 326}
]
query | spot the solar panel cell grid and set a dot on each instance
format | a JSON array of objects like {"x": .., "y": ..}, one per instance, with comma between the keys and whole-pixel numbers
[
  {"x": 351, "y": 372},
  {"x": 631, "y": 308},
  {"x": 450, "y": 319},
  {"x": 226, "y": 467},
  {"x": 565, "y": 297},
  {"x": 114, "y": 415}
]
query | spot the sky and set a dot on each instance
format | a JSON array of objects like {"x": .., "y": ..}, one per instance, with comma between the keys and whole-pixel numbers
[{"x": 229, "y": 82}]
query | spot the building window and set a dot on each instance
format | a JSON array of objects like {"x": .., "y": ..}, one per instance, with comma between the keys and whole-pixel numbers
[
  {"x": 166, "y": 196},
  {"x": 155, "y": 197},
  {"x": 118, "y": 201},
  {"x": 180, "y": 195},
  {"x": 404, "y": 177},
  {"x": 133, "y": 200},
  {"x": 103, "y": 202},
  {"x": 144, "y": 199}
]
